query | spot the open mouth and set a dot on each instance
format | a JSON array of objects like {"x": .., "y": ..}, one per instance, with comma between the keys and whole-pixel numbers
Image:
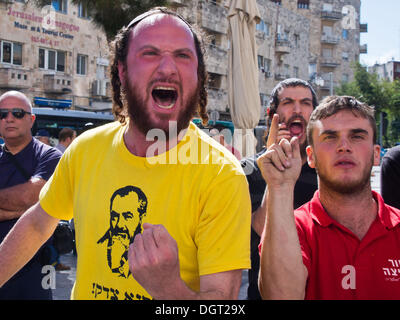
[
  {"x": 345, "y": 163},
  {"x": 164, "y": 97},
  {"x": 296, "y": 128}
]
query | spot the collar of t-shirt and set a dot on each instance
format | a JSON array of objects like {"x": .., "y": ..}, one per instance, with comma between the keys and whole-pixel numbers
[{"x": 388, "y": 216}]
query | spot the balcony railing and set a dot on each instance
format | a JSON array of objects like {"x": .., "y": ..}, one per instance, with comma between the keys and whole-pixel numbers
[
  {"x": 364, "y": 48},
  {"x": 217, "y": 99},
  {"x": 281, "y": 76},
  {"x": 15, "y": 78},
  {"x": 363, "y": 27},
  {"x": 331, "y": 15},
  {"x": 282, "y": 46},
  {"x": 217, "y": 61},
  {"x": 57, "y": 83},
  {"x": 330, "y": 39},
  {"x": 329, "y": 62},
  {"x": 214, "y": 17}
]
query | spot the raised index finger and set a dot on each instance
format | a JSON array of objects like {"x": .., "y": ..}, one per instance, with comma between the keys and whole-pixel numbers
[{"x": 273, "y": 130}]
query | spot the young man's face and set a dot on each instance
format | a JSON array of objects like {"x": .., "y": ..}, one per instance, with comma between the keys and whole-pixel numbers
[
  {"x": 294, "y": 109},
  {"x": 343, "y": 152},
  {"x": 160, "y": 77}
]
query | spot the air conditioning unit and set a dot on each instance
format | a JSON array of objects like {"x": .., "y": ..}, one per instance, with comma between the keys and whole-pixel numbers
[{"x": 99, "y": 87}]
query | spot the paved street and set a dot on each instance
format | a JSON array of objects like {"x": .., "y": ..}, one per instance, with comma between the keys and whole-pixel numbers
[{"x": 65, "y": 280}]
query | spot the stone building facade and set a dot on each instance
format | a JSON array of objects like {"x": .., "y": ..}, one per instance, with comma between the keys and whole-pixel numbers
[
  {"x": 54, "y": 55},
  {"x": 315, "y": 40},
  {"x": 389, "y": 71},
  {"x": 282, "y": 40},
  {"x": 335, "y": 29},
  {"x": 58, "y": 57}
]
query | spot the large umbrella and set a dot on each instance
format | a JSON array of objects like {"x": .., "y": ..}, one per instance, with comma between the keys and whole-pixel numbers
[{"x": 243, "y": 97}]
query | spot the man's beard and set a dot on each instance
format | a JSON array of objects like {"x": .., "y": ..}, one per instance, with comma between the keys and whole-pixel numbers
[
  {"x": 140, "y": 115},
  {"x": 346, "y": 187}
]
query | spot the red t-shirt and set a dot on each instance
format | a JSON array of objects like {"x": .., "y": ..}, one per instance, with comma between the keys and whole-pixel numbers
[{"x": 339, "y": 265}]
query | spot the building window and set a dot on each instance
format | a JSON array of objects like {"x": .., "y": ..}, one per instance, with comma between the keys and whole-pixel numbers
[
  {"x": 278, "y": 2},
  {"x": 60, "y": 5},
  {"x": 260, "y": 60},
  {"x": 286, "y": 70},
  {"x": 303, "y": 4},
  {"x": 327, "y": 7},
  {"x": 263, "y": 27},
  {"x": 83, "y": 11},
  {"x": 264, "y": 64},
  {"x": 11, "y": 52},
  {"x": 312, "y": 70},
  {"x": 345, "y": 34},
  {"x": 327, "y": 53},
  {"x": 296, "y": 40},
  {"x": 296, "y": 72},
  {"x": 52, "y": 60},
  {"x": 264, "y": 99},
  {"x": 267, "y": 65},
  {"x": 81, "y": 64}
]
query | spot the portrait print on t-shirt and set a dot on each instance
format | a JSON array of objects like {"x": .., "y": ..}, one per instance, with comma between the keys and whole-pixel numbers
[{"x": 128, "y": 206}]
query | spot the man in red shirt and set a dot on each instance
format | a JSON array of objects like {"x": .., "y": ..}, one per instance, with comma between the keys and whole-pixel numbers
[{"x": 345, "y": 242}]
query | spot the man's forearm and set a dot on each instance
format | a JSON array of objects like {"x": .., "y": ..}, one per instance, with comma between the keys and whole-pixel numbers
[
  {"x": 9, "y": 215},
  {"x": 258, "y": 216},
  {"x": 282, "y": 272},
  {"x": 22, "y": 196},
  {"x": 23, "y": 241},
  {"x": 218, "y": 286}
]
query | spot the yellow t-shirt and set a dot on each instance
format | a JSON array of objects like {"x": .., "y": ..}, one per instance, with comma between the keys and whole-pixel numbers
[{"x": 197, "y": 190}]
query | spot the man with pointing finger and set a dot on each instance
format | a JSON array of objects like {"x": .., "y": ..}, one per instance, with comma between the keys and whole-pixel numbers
[
  {"x": 161, "y": 210},
  {"x": 293, "y": 100},
  {"x": 344, "y": 243}
]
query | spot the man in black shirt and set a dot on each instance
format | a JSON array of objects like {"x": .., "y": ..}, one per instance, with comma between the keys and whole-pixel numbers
[
  {"x": 293, "y": 100},
  {"x": 390, "y": 177}
]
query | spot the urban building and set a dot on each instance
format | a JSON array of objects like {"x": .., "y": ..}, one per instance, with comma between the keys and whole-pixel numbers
[
  {"x": 334, "y": 39},
  {"x": 55, "y": 55},
  {"x": 388, "y": 71},
  {"x": 315, "y": 40},
  {"x": 60, "y": 59},
  {"x": 282, "y": 40}
]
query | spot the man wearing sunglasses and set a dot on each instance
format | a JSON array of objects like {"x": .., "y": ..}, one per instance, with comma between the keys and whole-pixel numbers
[{"x": 25, "y": 165}]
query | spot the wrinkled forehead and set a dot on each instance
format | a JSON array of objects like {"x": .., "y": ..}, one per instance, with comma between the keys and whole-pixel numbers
[
  {"x": 15, "y": 100},
  {"x": 158, "y": 21},
  {"x": 294, "y": 93}
]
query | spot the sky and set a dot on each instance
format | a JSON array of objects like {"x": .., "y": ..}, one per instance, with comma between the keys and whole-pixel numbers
[{"x": 383, "y": 36}]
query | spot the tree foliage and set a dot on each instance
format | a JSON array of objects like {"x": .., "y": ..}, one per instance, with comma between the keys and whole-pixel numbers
[
  {"x": 383, "y": 95},
  {"x": 112, "y": 15}
]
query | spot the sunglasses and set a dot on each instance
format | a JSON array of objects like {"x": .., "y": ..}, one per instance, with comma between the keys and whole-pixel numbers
[{"x": 16, "y": 112}]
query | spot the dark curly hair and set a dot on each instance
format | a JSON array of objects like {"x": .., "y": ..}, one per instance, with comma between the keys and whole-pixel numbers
[{"x": 119, "y": 52}]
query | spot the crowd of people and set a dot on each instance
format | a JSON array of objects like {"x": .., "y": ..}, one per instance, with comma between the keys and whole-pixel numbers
[{"x": 300, "y": 214}]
